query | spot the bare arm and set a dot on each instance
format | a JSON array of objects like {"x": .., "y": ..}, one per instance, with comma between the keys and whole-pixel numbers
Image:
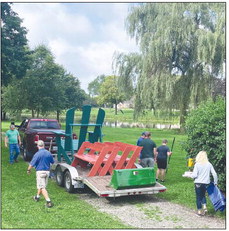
[
  {"x": 6, "y": 141},
  {"x": 155, "y": 153},
  {"x": 19, "y": 139},
  {"x": 169, "y": 153},
  {"x": 29, "y": 169}
]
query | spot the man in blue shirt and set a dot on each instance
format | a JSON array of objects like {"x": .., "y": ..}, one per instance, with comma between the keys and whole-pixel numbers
[
  {"x": 140, "y": 139},
  {"x": 41, "y": 162}
]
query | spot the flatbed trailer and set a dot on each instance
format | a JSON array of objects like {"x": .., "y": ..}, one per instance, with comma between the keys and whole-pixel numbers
[
  {"x": 87, "y": 170},
  {"x": 109, "y": 169},
  {"x": 73, "y": 178}
]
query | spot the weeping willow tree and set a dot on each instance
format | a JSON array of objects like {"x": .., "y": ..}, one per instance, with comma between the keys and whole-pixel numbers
[{"x": 182, "y": 51}]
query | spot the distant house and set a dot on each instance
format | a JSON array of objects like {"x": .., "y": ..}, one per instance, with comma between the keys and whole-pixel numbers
[{"x": 125, "y": 104}]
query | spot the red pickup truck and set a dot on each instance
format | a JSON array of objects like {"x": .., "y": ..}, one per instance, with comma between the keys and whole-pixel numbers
[{"x": 32, "y": 130}]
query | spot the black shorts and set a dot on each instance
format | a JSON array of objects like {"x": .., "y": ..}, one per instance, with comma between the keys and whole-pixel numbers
[{"x": 162, "y": 163}]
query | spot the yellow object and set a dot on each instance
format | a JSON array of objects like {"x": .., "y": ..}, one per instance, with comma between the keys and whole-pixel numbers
[{"x": 190, "y": 162}]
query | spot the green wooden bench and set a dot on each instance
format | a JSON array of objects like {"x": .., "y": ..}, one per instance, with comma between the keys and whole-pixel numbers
[{"x": 93, "y": 136}]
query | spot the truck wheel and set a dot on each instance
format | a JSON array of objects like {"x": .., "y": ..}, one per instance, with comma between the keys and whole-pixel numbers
[
  {"x": 68, "y": 182},
  {"x": 59, "y": 176},
  {"x": 27, "y": 156}
]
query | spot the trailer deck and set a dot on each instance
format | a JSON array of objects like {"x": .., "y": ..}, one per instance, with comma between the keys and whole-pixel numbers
[{"x": 100, "y": 185}]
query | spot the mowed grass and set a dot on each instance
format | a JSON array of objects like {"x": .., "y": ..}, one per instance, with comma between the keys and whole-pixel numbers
[
  {"x": 126, "y": 115},
  {"x": 19, "y": 211}
]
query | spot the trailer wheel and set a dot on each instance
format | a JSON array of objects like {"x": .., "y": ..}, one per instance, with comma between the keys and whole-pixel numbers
[
  {"x": 59, "y": 175},
  {"x": 68, "y": 182}
]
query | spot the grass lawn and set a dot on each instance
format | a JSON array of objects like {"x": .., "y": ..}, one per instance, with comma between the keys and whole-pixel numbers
[
  {"x": 19, "y": 211},
  {"x": 127, "y": 116}
]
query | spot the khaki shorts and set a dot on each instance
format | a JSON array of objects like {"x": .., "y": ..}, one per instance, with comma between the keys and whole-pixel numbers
[{"x": 42, "y": 179}]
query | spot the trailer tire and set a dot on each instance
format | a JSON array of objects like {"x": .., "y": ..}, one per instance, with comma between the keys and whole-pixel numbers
[
  {"x": 68, "y": 182},
  {"x": 59, "y": 176}
]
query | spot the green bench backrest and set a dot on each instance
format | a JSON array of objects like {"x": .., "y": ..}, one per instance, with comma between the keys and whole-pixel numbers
[
  {"x": 68, "y": 130},
  {"x": 97, "y": 131},
  {"x": 85, "y": 120}
]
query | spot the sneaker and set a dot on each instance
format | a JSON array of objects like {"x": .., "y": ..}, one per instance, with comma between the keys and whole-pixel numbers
[
  {"x": 49, "y": 204},
  {"x": 205, "y": 208},
  {"x": 36, "y": 198},
  {"x": 16, "y": 161},
  {"x": 199, "y": 213},
  {"x": 162, "y": 181}
]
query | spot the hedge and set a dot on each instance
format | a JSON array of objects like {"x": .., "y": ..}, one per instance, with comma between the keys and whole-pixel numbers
[{"x": 206, "y": 130}]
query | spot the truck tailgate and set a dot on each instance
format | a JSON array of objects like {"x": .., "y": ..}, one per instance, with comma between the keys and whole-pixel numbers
[{"x": 100, "y": 185}]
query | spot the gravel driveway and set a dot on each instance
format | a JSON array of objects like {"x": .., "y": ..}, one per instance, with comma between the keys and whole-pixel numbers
[{"x": 146, "y": 211}]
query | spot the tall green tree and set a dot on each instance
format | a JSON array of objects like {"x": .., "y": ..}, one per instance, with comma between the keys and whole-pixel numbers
[
  {"x": 46, "y": 88},
  {"x": 41, "y": 84},
  {"x": 66, "y": 92},
  {"x": 128, "y": 66},
  {"x": 75, "y": 96},
  {"x": 109, "y": 92},
  {"x": 12, "y": 98},
  {"x": 14, "y": 45},
  {"x": 182, "y": 50},
  {"x": 94, "y": 86},
  {"x": 15, "y": 54}
]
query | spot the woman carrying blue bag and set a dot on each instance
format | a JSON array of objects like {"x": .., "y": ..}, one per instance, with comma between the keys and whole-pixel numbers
[{"x": 201, "y": 175}]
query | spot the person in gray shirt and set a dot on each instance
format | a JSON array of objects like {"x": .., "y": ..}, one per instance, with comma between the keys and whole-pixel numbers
[{"x": 201, "y": 175}]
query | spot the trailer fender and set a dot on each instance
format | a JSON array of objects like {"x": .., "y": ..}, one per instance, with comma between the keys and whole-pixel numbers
[{"x": 72, "y": 170}]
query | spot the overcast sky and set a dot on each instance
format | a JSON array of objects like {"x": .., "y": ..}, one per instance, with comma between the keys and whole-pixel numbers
[{"x": 82, "y": 36}]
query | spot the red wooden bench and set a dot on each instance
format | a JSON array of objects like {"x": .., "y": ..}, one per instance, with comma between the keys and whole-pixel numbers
[{"x": 104, "y": 157}]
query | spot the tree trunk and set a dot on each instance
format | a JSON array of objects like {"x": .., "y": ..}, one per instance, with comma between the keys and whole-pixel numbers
[
  {"x": 3, "y": 115},
  {"x": 116, "y": 108},
  {"x": 32, "y": 113},
  {"x": 183, "y": 114},
  {"x": 154, "y": 110},
  {"x": 58, "y": 115}
]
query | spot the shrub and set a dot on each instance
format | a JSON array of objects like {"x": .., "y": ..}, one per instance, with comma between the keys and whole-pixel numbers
[{"x": 206, "y": 130}]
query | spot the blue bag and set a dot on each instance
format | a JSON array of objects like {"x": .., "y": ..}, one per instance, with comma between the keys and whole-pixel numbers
[{"x": 216, "y": 197}]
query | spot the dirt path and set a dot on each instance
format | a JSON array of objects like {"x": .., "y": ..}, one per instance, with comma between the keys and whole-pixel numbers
[{"x": 146, "y": 211}]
